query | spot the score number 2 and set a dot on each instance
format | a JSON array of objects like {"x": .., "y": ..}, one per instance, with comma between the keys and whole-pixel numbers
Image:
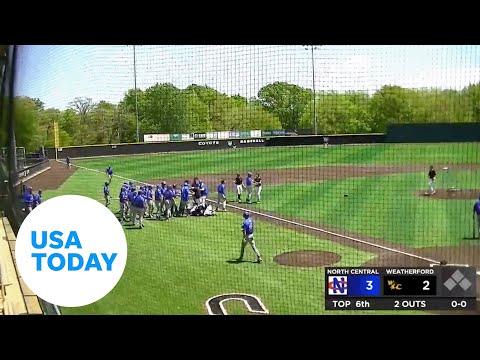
[{"x": 426, "y": 285}]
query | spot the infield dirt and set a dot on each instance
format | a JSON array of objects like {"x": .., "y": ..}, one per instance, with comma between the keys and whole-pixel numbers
[{"x": 467, "y": 253}]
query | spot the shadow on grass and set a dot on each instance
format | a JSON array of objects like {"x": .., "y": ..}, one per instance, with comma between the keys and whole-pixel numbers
[
  {"x": 472, "y": 238},
  {"x": 236, "y": 261},
  {"x": 131, "y": 227}
]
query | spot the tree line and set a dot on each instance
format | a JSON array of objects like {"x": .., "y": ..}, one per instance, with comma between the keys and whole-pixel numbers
[{"x": 166, "y": 109}]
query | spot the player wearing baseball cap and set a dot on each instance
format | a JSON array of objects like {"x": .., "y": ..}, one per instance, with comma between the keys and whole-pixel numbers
[{"x": 248, "y": 238}]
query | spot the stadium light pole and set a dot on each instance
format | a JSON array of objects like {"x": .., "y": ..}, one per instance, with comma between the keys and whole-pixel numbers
[
  {"x": 136, "y": 96},
  {"x": 314, "y": 117}
]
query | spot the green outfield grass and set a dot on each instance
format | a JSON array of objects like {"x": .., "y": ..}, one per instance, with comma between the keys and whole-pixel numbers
[
  {"x": 187, "y": 164},
  {"x": 174, "y": 267},
  {"x": 380, "y": 206}
]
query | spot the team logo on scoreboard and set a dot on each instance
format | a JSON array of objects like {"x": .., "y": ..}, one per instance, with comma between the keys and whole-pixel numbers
[
  {"x": 394, "y": 285},
  {"x": 337, "y": 285}
]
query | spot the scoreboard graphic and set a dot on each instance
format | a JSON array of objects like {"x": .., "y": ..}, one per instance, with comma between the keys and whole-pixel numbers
[{"x": 380, "y": 288}]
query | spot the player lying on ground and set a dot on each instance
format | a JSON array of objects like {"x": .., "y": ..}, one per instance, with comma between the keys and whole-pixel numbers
[{"x": 202, "y": 210}]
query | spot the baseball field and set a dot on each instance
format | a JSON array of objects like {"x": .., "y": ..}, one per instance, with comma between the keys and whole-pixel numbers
[{"x": 349, "y": 205}]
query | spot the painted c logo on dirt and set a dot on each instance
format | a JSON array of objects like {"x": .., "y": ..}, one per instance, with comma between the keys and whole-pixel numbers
[{"x": 215, "y": 305}]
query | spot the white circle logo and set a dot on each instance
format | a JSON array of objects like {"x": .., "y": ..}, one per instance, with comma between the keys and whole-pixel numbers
[{"x": 71, "y": 251}]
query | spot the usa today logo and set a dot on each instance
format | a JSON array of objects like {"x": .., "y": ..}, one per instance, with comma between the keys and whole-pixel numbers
[{"x": 71, "y": 251}]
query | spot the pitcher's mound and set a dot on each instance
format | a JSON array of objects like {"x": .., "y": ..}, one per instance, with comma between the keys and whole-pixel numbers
[
  {"x": 307, "y": 258},
  {"x": 460, "y": 194}
]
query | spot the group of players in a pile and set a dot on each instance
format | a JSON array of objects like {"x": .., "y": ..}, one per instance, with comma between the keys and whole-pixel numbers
[
  {"x": 168, "y": 201},
  {"x": 163, "y": 203}
]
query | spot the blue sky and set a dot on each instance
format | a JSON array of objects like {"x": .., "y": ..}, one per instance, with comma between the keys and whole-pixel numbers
[{"x": 58, "y": 73}]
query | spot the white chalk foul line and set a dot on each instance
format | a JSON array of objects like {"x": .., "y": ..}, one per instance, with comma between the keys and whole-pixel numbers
[
  {"x": 291, "y": 222},
  {"x": 334, "y": 234},
  {"x": 101, "y": 172}
]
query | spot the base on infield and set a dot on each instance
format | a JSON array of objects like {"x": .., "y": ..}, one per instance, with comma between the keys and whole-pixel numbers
[
  {"x": 452, "y": 194},
  {"x": 307, "y": 258}
]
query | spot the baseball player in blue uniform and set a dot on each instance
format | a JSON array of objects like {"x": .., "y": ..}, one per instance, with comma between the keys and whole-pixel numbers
[
  {"x": 163, "y": 208},
  {"x": 123, "y": 198},
  {"x": 184, "y": 197},
  {"x": 222, "y": 196},
  {"x": 167, "y": 200},
  {"x": 109, "y": 172},
  {"x": 127, "y": 203},
  {"x": 204, "y": 193},
  {"x": 138, "y": 207},
  {"x": 149, "y": 197},
  {"x": 476, "y": 213},
  {"x": 106, "y": 194},
  {"x": 176, "y": 195},
  {"x": 249, "y": 186},
  {"x": 158, "y": 200},
  {"x": 248, "y": 237},
  {"x": 37, "y": 199},
  {"x": 28, "y": 199},
  {"x": 131, "y": 197}
]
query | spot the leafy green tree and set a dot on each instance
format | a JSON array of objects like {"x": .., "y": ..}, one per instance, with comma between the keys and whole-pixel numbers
[
  {"x": 39, "y": 105},
  {"x": 26, "y": 124},
  {"x": 472, "y": 95},
  {"x": 390, "y": 104},
  {"x": 83, "y": 106},
  {"x": 196, "y": 112},
  {"x": 102, "y": 122},
  {"x": 287, "y": 101},
  {"x": 164, "y": 110},
  {"x": 260, "y": 119}
]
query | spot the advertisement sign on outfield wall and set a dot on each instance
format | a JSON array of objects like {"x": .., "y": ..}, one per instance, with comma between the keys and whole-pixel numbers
[
  {"x": 273, "y": 133},
  {"x": 233, "y": 135},
  {"x": 187, "y": 137},
  {"x": 244, "y": 134},
  {"x": 255, "y": 133},
  {"x": 251, "y": 141},
  {"x": 223, "y": 134},
  {"x": 175, "y": 137},
  {"x": 156, "y": 137},
  {"x": 200, "y": 136},
  {"x": 209, "y": 143},
  {"x": 212, "y": 135}
]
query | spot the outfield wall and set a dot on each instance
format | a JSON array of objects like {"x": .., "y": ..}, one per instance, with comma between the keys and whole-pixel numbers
[
  {"x": 147, "y": 148},
  {"x": 433, "y": 133},
  {"x": 331, "y": 139},
  {"x": 174, "y": 146}
]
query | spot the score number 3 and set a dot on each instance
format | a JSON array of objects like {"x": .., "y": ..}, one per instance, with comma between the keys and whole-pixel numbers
[{"x": 369, "y": 285}]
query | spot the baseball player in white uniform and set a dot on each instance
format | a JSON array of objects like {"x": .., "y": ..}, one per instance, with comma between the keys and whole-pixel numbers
[
  {"x": 258, "y": 187},
  {"x": 239, "y": 185}
]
